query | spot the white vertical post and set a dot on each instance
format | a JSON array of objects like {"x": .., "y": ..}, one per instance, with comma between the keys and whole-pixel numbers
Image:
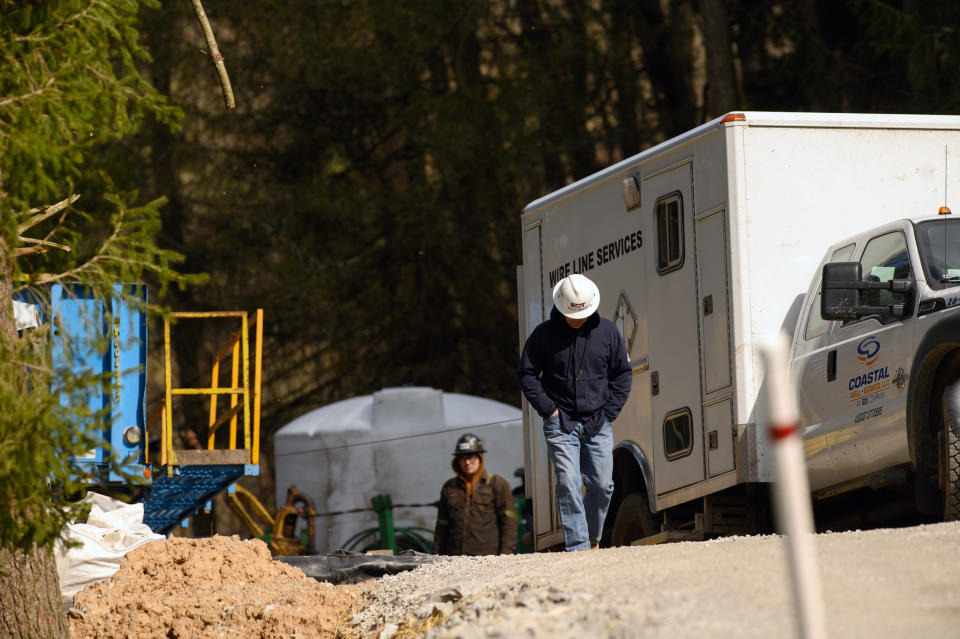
[{"x": 791, "y": 490}]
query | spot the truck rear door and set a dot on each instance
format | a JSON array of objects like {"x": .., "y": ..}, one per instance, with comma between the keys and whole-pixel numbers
[{"x": 672, "y": 328}]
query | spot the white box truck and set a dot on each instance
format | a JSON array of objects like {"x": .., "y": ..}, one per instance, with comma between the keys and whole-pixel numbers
[{"x": 714, "y": 239}]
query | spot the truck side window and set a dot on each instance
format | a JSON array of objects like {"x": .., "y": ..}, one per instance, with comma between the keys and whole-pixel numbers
[
  {"x": 677, "y": 434},
  {"x": 885, "y": 258},
  {"x": 816, "y": 325},
  {"x": 668, "y": 214}
]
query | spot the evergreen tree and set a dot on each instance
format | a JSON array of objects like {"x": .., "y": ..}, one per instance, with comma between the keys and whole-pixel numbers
[{"x": 70, "y": 88}]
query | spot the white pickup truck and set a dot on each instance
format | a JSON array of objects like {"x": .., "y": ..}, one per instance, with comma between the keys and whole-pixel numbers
[{"x": 709, "y": 241}]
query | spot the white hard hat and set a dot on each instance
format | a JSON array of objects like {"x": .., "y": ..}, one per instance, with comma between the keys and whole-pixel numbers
[{"x": 576, "y": 296}]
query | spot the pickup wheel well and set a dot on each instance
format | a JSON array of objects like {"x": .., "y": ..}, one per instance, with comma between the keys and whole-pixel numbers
[{"x": 940, "y": 368}]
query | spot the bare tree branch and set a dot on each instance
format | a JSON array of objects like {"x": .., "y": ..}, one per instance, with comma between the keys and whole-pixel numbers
[
  {"x": 33, "y": 250},
  {"x": 44, "y": 212},
  {"x": 215, "y": 55},
  {"x": 39, "y": 246}
]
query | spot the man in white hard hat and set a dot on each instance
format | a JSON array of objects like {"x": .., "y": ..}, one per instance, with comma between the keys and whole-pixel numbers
[{"x": 575, "y": 373}]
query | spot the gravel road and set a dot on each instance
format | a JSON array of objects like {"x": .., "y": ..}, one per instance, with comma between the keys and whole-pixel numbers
[{"x": 902, "y": 582}]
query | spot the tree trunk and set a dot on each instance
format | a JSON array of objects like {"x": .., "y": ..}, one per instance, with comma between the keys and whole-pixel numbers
[
  {"x": 29, "y": 590},
  {"x": 667, "y": 43},
  {"x": 30, "y": 595},
  {"x": 536, "y": 39},
  {"x": 8, "y": 324},
  {"x": 722, "y": 90},
  {"x": 911, "y": 11},
  {"x": 810, "y": 50},
  {"x": 625, "y": 77}
]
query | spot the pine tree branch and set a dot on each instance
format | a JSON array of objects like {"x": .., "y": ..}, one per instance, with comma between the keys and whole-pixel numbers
[
  {"x": 54, "y": 28},
  {"x": 27, "y": 96},
  {"x": 31, "y": 365},
  {"x": 48, "y": 278},
  {"x": 45, "y": 212},
  {"x": 113, "y": 250},
  {"x": 88, "y": 265},
  {"x": 6, "y": 6},
  {"x": 215, "y": 55}
]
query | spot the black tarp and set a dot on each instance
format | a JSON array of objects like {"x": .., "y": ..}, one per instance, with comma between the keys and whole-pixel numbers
[{"x": 346, "y": 567}]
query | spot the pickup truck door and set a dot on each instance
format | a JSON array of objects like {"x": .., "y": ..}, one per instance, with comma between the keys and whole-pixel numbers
[
  {"x": 865, "y": 404},
  {"x": 814, "y": 368}
]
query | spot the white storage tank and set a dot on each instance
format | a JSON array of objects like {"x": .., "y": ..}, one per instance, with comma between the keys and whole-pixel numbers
[{"x": 397, "y": 442}]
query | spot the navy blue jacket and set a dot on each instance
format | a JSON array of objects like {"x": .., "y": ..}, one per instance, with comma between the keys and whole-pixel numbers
[{"x": 584, "y": 372}]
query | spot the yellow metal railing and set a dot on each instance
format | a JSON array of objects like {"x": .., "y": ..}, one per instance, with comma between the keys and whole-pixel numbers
[{"x": 238, "y": 349}]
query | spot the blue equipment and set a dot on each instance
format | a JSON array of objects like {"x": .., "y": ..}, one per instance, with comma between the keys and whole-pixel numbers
[{"x": 109, "y": 339}]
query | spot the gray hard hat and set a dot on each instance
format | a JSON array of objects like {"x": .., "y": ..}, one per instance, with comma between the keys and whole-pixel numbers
[{"x": 469, "y": 444}]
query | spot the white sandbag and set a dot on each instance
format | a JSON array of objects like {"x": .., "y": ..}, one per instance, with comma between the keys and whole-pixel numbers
[
  {"x": 25, "y": 315},
  {"x": 112, "y": 530}
]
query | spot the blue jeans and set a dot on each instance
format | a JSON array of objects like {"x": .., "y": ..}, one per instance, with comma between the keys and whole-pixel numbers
[{"x": 577, "y": 458}]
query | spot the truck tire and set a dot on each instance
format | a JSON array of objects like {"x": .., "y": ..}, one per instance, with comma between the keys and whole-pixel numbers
[
  {"x": 951, "y": 452},
  {"x": 634, "y": 521}
]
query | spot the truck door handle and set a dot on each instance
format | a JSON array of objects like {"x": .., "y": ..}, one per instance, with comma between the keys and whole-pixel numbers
[{"x": 832, "y": 365}]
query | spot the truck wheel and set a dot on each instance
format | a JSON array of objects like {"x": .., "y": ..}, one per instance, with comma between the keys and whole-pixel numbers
[
  {"x": 950, "y": 462},
  {"x": 634, "y": 521}
]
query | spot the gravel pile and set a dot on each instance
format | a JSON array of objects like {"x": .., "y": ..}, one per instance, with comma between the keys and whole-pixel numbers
[{"x": 880, "y": 583}]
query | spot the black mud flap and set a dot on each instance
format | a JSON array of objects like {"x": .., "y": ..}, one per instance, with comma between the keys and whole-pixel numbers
[{"x": 346, "y": 567}]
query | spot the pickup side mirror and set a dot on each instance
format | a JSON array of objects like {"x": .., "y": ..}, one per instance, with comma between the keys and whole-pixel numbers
[{"x": 841, "y": 299}]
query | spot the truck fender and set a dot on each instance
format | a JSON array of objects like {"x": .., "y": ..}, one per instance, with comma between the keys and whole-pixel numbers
[{"x": 632, "y": 472}]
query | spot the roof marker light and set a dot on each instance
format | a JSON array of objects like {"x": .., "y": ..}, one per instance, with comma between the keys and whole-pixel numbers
[
  {"x": 734, "y": 117},
  {"x": 944, "y": 210}
]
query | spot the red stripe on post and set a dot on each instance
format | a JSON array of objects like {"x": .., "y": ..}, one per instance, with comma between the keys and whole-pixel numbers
[{"x": 778, "y": 432}]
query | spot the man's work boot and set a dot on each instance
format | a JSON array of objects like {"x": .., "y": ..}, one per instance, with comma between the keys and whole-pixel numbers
[{"x": 594, "y": 545}]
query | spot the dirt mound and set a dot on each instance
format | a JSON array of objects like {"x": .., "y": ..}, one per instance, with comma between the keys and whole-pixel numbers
[{"x": 214, "y": 587}]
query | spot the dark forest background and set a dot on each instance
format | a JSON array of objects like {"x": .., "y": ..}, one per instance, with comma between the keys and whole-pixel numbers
[{"x": 366, "y": 190}]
